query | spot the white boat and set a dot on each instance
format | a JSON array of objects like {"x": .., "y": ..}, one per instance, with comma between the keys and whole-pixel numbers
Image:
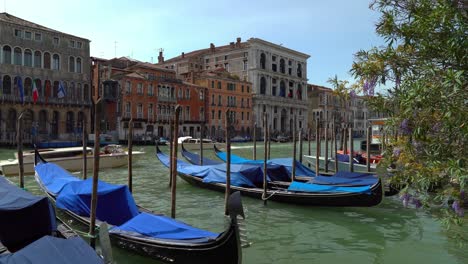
[
  {"x": 69, "y": 158},
  {"x": 194, "y": 143},
  {"x": 342, "y": 166}
]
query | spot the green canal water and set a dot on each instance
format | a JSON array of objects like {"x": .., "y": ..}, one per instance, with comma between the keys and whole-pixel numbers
[{"x": 283, "y": 233}]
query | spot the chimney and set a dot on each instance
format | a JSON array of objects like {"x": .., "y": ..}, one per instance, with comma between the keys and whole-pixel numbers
[
  {"x": 183, "y": 55},
  {"x": 160, "y": 57},
  {"x": 238, "y": 42},
  {"x": 231, "y": 44},
  {"x": 212, "y": 47}
]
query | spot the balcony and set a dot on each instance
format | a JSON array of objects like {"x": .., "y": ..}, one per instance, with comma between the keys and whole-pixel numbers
[{"x": 167, "y": 99}]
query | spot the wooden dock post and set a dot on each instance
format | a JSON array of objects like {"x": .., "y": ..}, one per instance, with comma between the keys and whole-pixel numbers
[
  {"x": 308, "y": 139},
  {"x": 228, "y": 161},
  {"x": 19, "y": 141},
  {"x": 317, "y": 147},
  {"x": 265, "y": 158},
  {"x": 85, "y": 151},
  {"x": 335, "y": 146},
  {"x": 130, "y": 147},
  {"x": 255, "y": 141},
  {"x": 368, "y": 142},
  {"x": 294, "y": 151},
  {"x": 269, "y": 141},
  {"x": 351, "y": 149},
  {"x": 174, "y": 161},
  {"x": 300, "y": 146},
  {"x": 201, "y": 143},
  {"x": 97, "y": 128},
  {"x": 326, "y": 146},
  {"x": 171, "y": 144}
]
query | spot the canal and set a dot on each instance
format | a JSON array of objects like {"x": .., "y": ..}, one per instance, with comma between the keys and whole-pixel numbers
[{"x": 282, "y": 233}]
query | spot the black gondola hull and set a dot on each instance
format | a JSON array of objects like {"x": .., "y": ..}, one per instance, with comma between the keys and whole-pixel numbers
[{"x": 299, "y": 198}]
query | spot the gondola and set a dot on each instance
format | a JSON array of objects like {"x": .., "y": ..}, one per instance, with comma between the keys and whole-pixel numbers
[
  {"x": 342, "y": 177},
  {"x": 137, "y": 229},
  {"x": 43, "y": 240},
  {"x": 247, "y": 179},
  {"x": 280, "y": 169}
]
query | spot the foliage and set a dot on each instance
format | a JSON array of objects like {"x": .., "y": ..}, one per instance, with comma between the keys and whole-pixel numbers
[{"x": 425, "y": 63}]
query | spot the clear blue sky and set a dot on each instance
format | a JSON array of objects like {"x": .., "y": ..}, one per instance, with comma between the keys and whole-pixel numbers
[{"x": 329, "y": 31}]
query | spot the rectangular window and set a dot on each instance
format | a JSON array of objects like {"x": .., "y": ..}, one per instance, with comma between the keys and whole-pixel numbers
[
  {"x": 207, "y": 60},
  {"x": 248, "y": 115},
  {"x": 37, "y": 36},
  {"x": 18, "y": 33},
  {"x": 219, "y": 85},
  {"x": 140, "y": 88},
  {"x": 187, "y": 94},
  {"x": 219, "y": 100},
  {"x": 245, "y": 65},
  {"x": 219, "y": 114},
  {"x": 79, "y": 45},
  {"x": 225, "y": 57},
  {"x": 150, "y": 90},
  {"x": 27, "y": 35},
  {"x": 128, "y": 88},
  {"x": 56, "y": 40},
  {"x": 150, "y": 111},
  {"x": 72, "y": 43},
  {"x": 212, "y": 99},
  {"x": 212, "y": 114},
  {"x": 212, "y": 84}
]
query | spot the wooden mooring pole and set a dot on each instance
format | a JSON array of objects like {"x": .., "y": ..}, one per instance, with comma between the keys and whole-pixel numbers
[
  {"x": 326, "y": 146},
  {"x": 85, "y": 151},
  {"x": 265, "y": 158},
  {"x": 228, "y": 161},
  {"x": 351, "y": 149},
  {"x": 130, "y": 149},
  {"x": 171, "y": 144},
  {"x": 317, "y": 148},
  {"x": 19, "y": 141},
  {"x": 368, "y": 142},
  {"x": 293, "y": 178},
  {"x": 202, "y": 127},
  {"x": 255, "y": 141},
  {"x": 335, "y": 146},
  {"x": 97, "y": 131},
  {"x": 174, "y": 161}
]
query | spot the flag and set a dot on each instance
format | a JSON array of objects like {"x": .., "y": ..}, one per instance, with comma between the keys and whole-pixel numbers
[
  {"x": 61, "y": 91},
  {"x": 35, "y": 92},
  {"x": 19, "y": 84}
]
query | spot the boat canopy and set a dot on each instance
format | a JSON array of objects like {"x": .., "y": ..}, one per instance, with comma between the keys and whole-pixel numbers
[
  {"x": 242, "y": 175},
  {"x": 54, "y": 250},
  {"x": 286, "y": 163},
  {"x": 195, "y": 158},
  {"x": 318, "y": 188},
  {"x": 17, "y": 208},
  {"x": 163, "y": 227},
  {"x": 116, "y": 206}
]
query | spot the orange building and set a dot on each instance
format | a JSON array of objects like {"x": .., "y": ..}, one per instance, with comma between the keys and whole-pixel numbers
[
  {"x": 225, "y": 91},
  {"x": 148, "y": 94}
]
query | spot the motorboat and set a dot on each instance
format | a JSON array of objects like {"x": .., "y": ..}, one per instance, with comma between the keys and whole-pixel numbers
[{"x": 111, "y": 156}]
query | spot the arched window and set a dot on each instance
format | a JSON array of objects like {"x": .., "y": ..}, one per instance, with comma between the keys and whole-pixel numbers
[
  {"x": 11, "y": 121},
  {"x": 262, "y": 61},
  {"x": 70, "y": 122},
  {"x": 55, "y": 90},
  {"x": 37, "y": 59},
  {"x": 28, "y": 58},
  {"x": 55, "y": 124},
  {"x": 56, "y": 62},
  {"x": 6, "y": 84},
  {"x": 47, "y": 90},
  {"x": 78, "y": 65},
  {"x": 16, "y": 82},
  {"x": 282, "y": 66},
  {"x": 282, "y": 89},
  {"x": 43, "y": 122},
  {"x": 27, "y": 87},
  {"x": 71, "y": 64},
  {"x": 18, "y": 56},
  {"x": 86, "y": 92},
  {"x": 81, "y": 119},
  {"x": 262, "y": 85},
  {"x": 299, "y": 70},
  {"x": 6, "y": 55},
  {"x": 299, "y": 92},
  {"x": 71, "y": 90},
  {"x": 46, "y": 60},
  {"x": 79, "y": 92}
]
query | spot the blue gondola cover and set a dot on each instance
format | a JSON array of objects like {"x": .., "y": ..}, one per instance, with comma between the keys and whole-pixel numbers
[
  {"x": 17, "y": 208},
  {"x": 315, "y": 188},
  {"x": 52, "y": 250}
]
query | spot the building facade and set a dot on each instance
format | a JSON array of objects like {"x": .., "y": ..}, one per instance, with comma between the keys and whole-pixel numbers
[
  {"x": 56, "y": 65},
  {"x": 225, "y": 92},
  {"x": 327, "y": 107},
  {"x": 147, "y": 94},
  {"x": 278, "y": 76}
]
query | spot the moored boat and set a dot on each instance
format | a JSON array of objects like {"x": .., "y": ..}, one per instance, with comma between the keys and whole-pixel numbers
[
  {"x": 41, "y": 240},
  {"x": 69, "y": 158},
  {"x": 137, "y": 229},
  {"x": 247, "y": 178},
  {"x": 343, "y": 165}
]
